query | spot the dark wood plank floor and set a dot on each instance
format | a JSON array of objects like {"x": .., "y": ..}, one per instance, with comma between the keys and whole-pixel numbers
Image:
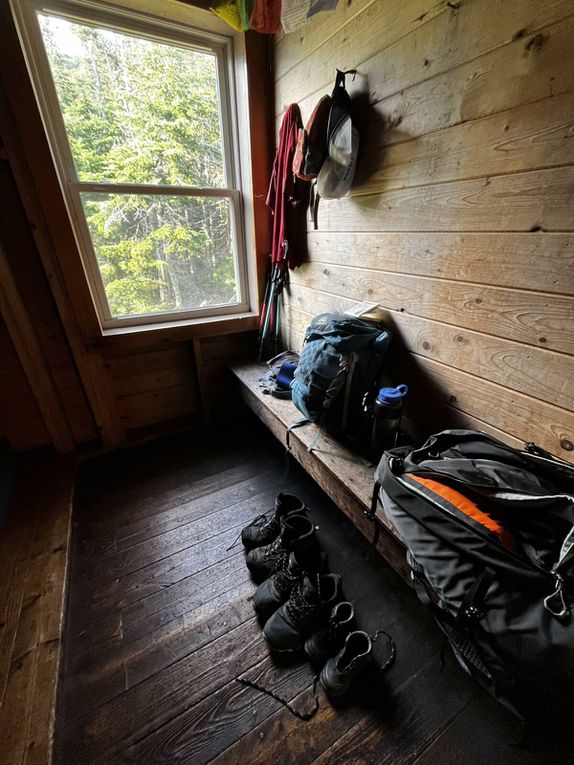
[
  {"x": 33, "y": 556},
  {"x": 160, "y": 625}
]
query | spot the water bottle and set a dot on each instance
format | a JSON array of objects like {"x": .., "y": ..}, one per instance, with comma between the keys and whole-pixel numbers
[{"x": 387, "y": 410}]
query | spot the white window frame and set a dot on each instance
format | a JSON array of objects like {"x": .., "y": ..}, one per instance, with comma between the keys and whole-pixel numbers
[{"x": 143, "y": 25}]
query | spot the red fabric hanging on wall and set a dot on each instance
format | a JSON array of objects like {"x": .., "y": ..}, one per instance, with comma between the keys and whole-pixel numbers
[
  {"x": 266, "y": 16},
  {"x": 288, "y": 196}
]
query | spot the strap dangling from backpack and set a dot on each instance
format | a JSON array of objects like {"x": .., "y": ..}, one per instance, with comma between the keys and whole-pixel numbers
[
  {"x": 372, "y": 516},
  {"x": 314, "y": 205}
]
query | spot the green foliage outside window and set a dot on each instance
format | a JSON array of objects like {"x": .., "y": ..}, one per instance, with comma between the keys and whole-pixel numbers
[{"x": 141, "y": 112}]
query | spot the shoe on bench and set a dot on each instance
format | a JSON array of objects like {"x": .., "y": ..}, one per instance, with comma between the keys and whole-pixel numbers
[
  {"x": 341, "y": 670},
  {"x": 297, "y": 535},
  {"x": 265, "y": 528},
  {"x": 273, "y": 592},
  {"x": 328, "y": 640},
  {"x": 306, "y": 610}
]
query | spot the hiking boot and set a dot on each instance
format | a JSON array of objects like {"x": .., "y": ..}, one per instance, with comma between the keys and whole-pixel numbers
[
  {"x": 306, "y": 610},
  {"x": 278, "y": 588},
  {"x": 265, "y": 528},
  {"x": 328, "y": 640},
  {"x": 297, "y": 535},
  {"x": 340, "y": 671}
]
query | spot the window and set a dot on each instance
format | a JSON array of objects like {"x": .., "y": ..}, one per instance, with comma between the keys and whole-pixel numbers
[{"x": 139, "y": 114}]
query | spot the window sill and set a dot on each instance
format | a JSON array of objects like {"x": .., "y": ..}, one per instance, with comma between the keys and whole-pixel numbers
[{"x": 176, "y": 331}]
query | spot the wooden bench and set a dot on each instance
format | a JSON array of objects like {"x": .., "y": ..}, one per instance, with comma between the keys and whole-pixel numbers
[{"x": 342, "y": 475}]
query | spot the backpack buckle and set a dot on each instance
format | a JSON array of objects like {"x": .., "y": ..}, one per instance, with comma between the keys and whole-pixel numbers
[{"x": 556, "y": 604}]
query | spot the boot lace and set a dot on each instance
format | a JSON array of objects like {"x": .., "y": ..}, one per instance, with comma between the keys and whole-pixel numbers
[
  {"x": 298, "y": 606},
  {"x": 266, "y": 521},
  {"x": 286, "y": 579},
  {"x": 331, "y": 631},
  {"x": 274, "y": 550},
  {"x": 262, "y": 522}
]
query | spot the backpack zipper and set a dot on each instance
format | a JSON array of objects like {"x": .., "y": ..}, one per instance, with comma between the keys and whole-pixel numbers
[
  {"x": 537, "y": 451},
  {"x": 557, "y": 578}
]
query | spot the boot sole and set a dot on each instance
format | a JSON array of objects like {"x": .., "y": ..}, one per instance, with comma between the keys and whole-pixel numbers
[{"x": 282, "y": 650}]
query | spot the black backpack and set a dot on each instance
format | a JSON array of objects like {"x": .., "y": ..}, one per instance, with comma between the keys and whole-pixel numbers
[
  {"x": 338, "y": 374},
  {"x": 490, "y": 538}
]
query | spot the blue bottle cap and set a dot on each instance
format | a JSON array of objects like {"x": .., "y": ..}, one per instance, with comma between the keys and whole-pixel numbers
[{"x": 392, "y": 395}]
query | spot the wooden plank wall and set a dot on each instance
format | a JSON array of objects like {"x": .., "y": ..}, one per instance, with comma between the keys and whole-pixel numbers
[
  {"x": 460, "y": 220},
  {"x": 110, "y": 387},
  {"x": 21, "y": 432},
  {"x": 26, "y": 428}
]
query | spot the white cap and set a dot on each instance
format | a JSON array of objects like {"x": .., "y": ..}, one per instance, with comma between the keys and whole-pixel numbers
[{"x": 336, "y": 175}]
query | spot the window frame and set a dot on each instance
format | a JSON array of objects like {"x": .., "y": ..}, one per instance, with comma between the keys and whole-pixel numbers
[{"x": 147, "y": 26}]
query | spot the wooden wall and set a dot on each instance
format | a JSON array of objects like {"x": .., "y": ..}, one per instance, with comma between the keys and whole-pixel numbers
[
  {"x": 39, "y": 381},
  {"x": 460, "y": 220},
  {"x": 21, "y": 422},
  {"x": 85, "y": 387}
]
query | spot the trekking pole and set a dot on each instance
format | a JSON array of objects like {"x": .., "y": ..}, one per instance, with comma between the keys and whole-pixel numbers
[
  {"x": 268, "y": 311},
  {"x": 277, "y": 322}
]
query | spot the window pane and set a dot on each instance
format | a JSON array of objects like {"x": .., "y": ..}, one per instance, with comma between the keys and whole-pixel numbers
[
  {"x": 160, "y": 253},
  {"x": 136, "y": 111}
]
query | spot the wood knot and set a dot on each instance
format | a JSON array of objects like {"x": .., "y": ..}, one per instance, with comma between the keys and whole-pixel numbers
[
  {"x": 542, "y": 340},
  {"x": 426, "y": 345},
  {"x": 536, "y": 42},
  {"x": 567, "y": 444}
]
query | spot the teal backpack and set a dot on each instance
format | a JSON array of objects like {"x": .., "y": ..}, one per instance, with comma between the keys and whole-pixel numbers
[{"x": 339, "y": 372}]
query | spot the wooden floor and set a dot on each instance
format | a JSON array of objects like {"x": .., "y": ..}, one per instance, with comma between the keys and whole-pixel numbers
[
  {"x": 33, "y": 560},
  {"x": 160, "y": 625}
]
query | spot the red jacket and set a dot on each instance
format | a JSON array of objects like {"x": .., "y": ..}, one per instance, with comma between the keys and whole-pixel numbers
[{"x": 288, "y": 196}]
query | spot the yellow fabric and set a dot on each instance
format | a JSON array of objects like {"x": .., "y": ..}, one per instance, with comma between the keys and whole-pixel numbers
[{"x": 228, "y": 10}]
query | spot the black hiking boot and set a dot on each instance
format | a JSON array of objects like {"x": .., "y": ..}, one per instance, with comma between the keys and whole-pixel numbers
[
  {"x": 339, "y": 672},
  {"x": 297, "y": 535},
  {"x": 305, "y": 611},
  {"x": 273, "y": 592},
  {"x": 329, "y": 639},
  {"x": 265, "y": 528}
]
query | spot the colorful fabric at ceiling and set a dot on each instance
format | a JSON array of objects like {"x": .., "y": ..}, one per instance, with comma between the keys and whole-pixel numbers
[
  {"x": 315, "y": 6},
  {"x": 245, "y": 11},
  {"x": 266, "y": 16},
  {"x": 228, "y": 10},
  {"x": 294, "y": 14}
]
